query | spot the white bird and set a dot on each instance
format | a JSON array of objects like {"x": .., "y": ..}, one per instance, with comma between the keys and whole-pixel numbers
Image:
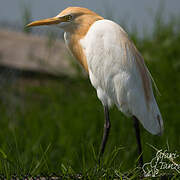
[{"x": 115, "y": 67}]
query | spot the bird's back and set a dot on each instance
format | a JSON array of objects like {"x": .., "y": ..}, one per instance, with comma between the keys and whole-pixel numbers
[{"x": 118, "y": 73}]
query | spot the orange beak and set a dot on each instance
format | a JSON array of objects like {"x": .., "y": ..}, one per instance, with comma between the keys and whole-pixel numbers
[{"x": 49, "y": 21}]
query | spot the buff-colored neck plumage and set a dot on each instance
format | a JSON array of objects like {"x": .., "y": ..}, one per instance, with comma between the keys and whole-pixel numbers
[{"x": 82, "y": 20}]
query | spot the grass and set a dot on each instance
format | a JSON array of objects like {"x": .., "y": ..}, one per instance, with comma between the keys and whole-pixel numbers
[{"x": 54, "y": 125}]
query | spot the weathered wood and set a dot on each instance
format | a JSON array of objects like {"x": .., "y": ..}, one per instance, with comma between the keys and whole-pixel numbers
[{"x": 29, "y": 52}]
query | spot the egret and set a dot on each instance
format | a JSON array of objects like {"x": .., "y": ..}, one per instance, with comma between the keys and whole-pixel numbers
[{"x": 115, "y": 67}]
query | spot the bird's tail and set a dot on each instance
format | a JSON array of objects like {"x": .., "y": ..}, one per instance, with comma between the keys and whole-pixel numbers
[{"x": 153, "y": 121}]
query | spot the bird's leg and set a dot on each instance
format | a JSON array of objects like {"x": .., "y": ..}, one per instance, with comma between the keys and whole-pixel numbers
[
  {"x": 138, "y": 138},
  {"x": 107, "y": 126}
]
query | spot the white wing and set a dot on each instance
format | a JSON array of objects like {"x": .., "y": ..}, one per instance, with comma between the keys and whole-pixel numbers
[{"x": 118, "y": 73}]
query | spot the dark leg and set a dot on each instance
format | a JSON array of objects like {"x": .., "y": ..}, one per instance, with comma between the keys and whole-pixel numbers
[
  {"x": 138, "y": 138},
  {"x": 107, "y": 126}
]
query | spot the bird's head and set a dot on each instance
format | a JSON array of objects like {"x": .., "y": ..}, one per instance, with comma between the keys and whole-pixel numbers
[{"x": 70, "y": 19}]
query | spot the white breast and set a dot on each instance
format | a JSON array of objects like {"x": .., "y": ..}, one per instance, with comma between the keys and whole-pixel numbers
[{"x": 102, "y": 48}]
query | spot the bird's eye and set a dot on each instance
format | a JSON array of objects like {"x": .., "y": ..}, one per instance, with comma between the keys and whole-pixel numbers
[{"x": 68, "y": 17}]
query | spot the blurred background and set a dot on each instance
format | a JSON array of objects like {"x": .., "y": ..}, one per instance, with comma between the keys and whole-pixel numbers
[{"x": 50, "y": 117}]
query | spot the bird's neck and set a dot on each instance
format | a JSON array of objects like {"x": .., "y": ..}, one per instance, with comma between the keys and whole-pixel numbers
[
  {"x": 77, "y": 33},
  {"x": 73, "y": 43}
]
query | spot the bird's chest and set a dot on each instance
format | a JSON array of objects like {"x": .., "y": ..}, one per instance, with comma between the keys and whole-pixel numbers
[{"x": 93, "y": 50}]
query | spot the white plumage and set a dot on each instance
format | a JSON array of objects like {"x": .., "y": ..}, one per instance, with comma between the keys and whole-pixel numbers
[{"x": 113, "y": 71}]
